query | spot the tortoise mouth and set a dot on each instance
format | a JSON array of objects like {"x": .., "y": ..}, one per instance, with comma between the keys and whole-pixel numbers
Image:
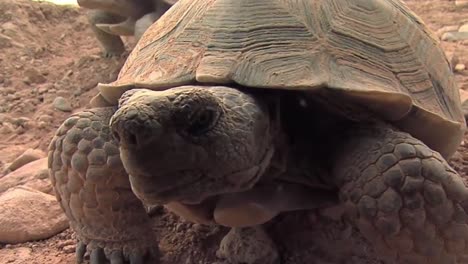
[{"x": 153, "y": 193}]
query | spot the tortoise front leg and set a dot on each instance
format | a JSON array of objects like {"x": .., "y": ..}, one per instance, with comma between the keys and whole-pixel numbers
[
  {"x": 112, "y": 45},
  {"x": 94, "y": 191},
  {"x": 403, "y": 196}
]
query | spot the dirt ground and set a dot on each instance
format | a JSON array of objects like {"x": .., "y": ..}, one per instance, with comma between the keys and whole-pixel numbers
[{"x": 47, "y": 51}]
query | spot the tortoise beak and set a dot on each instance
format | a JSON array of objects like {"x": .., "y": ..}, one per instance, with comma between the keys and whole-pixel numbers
[{"x": 132, "y": 127}]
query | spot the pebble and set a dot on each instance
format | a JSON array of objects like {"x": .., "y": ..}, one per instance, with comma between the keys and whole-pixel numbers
[
  {"x": 7, "y": 128},
  {"x": 42, "y": 125},
  {"x": 64, "y": 243},
  {"x": 460, "y": 67},
  {"x": 62, "y": 104},
  {"x": 33, "y": 76},
  {"x": 4, "y": 118},
  {"x": 5, "y": 41},
  {"x": 69, "y": 249},
  {"x": 43, "y": 89},
  {"x": 461, "y": 3},
  {"x": 45, "y": 118},
  {"x": 16, "y": 255},
  {"x": 34, "y": 175},
  {"x": 28, "y": 156},
  {"x": 454, "y": 36},
  {"x": 463, "y": 28},
  {"x": 21, "y": 121},
  {"x": 28, "y": 215},
  {"x": 446, "y": 29}
]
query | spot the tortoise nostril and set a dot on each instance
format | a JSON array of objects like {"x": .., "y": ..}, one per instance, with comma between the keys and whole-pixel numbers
[
  {"x": 132, "y": 139},
  {"x": 132, "y": 127}
]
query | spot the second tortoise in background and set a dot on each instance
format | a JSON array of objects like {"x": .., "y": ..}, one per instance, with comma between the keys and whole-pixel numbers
[
  {"x": 219, "y": 129},
  {"x": 111, "y": 19}
]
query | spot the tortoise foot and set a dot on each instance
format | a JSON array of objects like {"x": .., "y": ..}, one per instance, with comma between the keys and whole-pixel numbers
[
  {"x": 248, "y": 245},
  {"x": 404, "y": 198},
  {"x": 93, "y": 190},
  {"x": 103, "y": 253}
]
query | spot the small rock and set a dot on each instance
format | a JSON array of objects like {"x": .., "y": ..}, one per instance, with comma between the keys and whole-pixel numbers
[
  {"x": 249, "y": 245},
  {"x": 4, "y": 118},
  {"x": 63, "y": 93},
  {"x": 446, "y": 29},
  {"x": 62, "y": 104},
  {"x": 13, "y": 97},
  {"x": 28, "y": 156},
  {"x": 42, "y": 125},
  {"x": 21, "y": 121},
  {"x": 459, "y": 67},
  {"x": 27, "y": 215},
  {"x": 43, "y": 89},
  {"x": 45, "y": 118},
  {"x": 20, "y": 130},
  {"x": 6, "y": 128},
  {"x": 454, "y": 60},
  {"x": 461, "y": 3},
  {"x": 454, "y": 36},
  {"x": 463, "y": 28},
  {"x": 5, "y": 41},
  {"x": 62, "y": 244},
  {"x": 77, "y": 92},
  {"x": 33, "y": 76},
  {"x": 69, "y": 249},
  {"x": 16, "y": 255},
  {"x": 34, "y": 175}
]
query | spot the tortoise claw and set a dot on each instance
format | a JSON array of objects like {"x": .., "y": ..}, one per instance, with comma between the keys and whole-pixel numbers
[
  {"x": 97, "y": 256},
  {"x": 80, "y": 252},
  {"x": 116, "y": 257},
  {"x": 136, "y": 259}
]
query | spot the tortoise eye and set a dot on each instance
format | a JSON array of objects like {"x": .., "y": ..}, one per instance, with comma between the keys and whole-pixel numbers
[{"x": 203, "y": 121}]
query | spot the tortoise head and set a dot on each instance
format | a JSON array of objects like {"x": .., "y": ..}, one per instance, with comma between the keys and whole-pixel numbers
[{"x": 189, "y": 143}]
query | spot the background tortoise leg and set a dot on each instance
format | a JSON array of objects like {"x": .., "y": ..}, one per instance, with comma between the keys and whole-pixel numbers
[
  {"x": 248, "y": 245},
  {"x": 112, "y": 45},
  {"x": 94, "y": 191},
  {"x": 402, "y": 196},
  {"x": 144, "y": 22}
]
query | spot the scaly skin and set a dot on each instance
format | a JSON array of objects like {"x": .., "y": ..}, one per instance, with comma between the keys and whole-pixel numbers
[
  {"x": 94, "y": 191},
  {"x": 189, "y": 143},
  {"x": 112, "y": 45},
  {"x": 403, "y": 196}
]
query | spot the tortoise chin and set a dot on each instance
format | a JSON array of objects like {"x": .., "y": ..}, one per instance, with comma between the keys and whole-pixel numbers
[{"x": 148, "y": 190}]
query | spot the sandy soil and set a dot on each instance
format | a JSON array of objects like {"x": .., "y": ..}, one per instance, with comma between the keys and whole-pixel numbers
[{"x": 48, "y": 51}]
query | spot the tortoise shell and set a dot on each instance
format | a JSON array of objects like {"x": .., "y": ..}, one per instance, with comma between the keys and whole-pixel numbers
[{"x": 376, "y": 52}]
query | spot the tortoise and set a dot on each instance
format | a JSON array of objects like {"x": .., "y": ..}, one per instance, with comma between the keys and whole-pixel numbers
[
  {"x": 271, "y": 107},
  {"x": 111, "y": 19}
]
